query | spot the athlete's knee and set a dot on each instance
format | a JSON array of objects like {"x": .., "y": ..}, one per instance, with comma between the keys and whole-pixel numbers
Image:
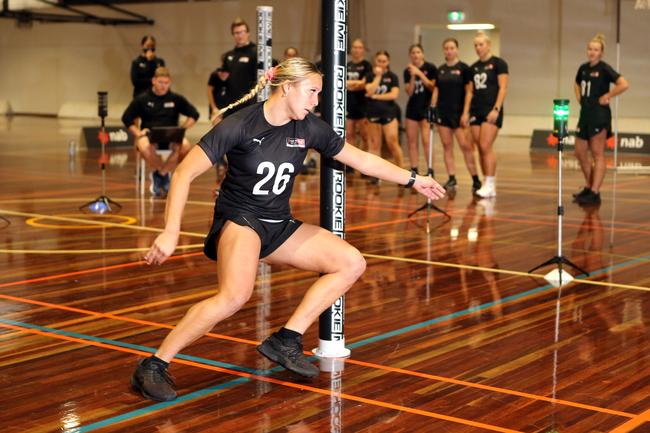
[
  {"x": 353, "y": 264},
  {"x": 232, "y": 300}
]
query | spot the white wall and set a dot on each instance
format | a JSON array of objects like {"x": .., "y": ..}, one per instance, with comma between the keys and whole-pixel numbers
[
  {"x": 48, "y": 65},
  {"x": 543, "y": 41}
]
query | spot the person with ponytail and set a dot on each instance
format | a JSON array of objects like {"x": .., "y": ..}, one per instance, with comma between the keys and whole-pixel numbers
[
  {"x": 450, "y": 105},
  {"x": 489, "y": 83},
  {"x": 265, "y": 144},
  {"x": 382, "y": 89},
  {"x": 592, "y": 89},
  {"x": 419, "y": 81}
]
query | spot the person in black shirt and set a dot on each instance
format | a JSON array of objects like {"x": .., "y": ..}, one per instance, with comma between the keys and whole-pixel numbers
[
  {"x": 592, "y": 89},
  {"x": 144, "y": 66},
  {"x": 358, "y": 69},
  {"x": 419, "y": 81},
  {"x": 159, "y": 106},
  {"x": 382, "y": 89},
  {"x": 218, "y": 91},
  {"x": 451, "y": 100},
  {"x": 489, "y": 83},
  {"x": 241, "y": 65},
  {"x": 266, "y": 144}
]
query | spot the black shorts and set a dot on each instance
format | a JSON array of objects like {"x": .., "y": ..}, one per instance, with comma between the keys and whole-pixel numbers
[
  {"x": 271, "y": 234},
  {"x": 416, "y": 114},
  {"x": 355, "y": 112},
  {"x": 448, "y": 119},
  {"x": 592, "y": 121},
  {"x": 478, "y": 119},
  {"x": 381, "y": 120}
]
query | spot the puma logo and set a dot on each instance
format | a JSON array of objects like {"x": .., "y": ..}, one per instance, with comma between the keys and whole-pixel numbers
[{"x": 258, "y": 140}]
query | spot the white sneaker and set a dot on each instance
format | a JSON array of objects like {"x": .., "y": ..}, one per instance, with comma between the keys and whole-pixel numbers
[{"x": 486, "y": 191}]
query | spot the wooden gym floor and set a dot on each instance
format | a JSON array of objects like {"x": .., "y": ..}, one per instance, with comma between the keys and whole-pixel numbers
[{"x": 448, "y": 331}]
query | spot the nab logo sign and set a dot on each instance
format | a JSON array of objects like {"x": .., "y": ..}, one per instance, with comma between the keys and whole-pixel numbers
[{"x": 632, "y": 142}]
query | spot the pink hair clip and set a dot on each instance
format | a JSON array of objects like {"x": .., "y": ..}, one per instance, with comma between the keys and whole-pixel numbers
[{"x": 270, "y": 73}]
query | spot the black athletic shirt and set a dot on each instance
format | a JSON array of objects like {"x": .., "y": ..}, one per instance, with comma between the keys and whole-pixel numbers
[
  {"x": 421, "y": 97},
  {"x": 382, "y": 109},
  {"x": 594, "y": 82},
  {"x": 357, "y": 71},
  {"x": 241, "y": 62},
  {"x": 219, "y": 90},
  {"x": 142, "y": 71},
  {"x": 156, "y": 110},
  {"x": 486, "y": 84},
  {"x": 263, "y": 160},
  {"x": 451, "y": 82}
]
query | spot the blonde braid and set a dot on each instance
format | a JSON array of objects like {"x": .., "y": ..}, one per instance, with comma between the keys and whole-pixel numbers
[
  {"x": 263, "y": 81},
  {"x": 292, "y": 70}
]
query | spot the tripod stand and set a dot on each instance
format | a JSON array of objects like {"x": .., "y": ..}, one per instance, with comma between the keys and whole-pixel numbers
[
  {"x": 560, "y": 130},
  {"x": 429, "y": 205},
  {"x": 103, "y": 203}
]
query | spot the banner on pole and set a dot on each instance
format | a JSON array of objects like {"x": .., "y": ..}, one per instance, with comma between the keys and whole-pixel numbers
[{"x": 628, "y": 142}]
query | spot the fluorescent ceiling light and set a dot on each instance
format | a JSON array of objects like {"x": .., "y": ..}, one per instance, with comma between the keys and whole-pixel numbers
[{"x": 478, "y": 26}]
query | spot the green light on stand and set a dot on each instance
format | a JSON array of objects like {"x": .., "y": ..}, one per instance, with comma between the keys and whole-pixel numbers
[
  {"x": 560, "y": 117},
  {"x": 455, "y": 16}
]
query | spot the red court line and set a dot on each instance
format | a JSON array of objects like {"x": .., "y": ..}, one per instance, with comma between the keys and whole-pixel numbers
[
  {"x": 633, "y": 423},
  {"x": 116, "y": 317},
  {"x": 89, "y": 271},
  {"x": 298, "y": 386},
  {"x": 350, "y": 361}
]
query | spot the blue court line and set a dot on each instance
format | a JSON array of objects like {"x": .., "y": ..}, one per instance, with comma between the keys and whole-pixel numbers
[
  {"x": 470, "y": 310},
  {"x": 159, "y": 406},
  {"x": 207, "y": 391},
  {"x": 133, "y": 346}
]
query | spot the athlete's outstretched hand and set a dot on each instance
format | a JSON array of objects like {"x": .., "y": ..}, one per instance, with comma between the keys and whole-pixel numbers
[
  {"x": 429, "y": 187},
  {"x": 162, "y": 248}
]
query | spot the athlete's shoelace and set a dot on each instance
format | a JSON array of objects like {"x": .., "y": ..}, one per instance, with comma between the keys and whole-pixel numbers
[{"x": 159, "y": 374}]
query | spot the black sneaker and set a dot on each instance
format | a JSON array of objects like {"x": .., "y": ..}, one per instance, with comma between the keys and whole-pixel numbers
[
  {"x": 153, "y": 381},
  {"x": 584, "y": 191},
  {"x": 451, "y": 183},
  {"x": 476, "y": 185},
  {"x": 589, "y": 199},
  {"x": 288, "y": 354}
]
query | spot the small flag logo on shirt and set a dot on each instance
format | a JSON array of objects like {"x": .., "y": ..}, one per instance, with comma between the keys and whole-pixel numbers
[{"x": 296, "y": 142}]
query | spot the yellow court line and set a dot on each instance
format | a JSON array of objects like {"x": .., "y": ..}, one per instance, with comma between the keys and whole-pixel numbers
[
  {"x": 82, "y": 199},
  {"x": 452, "y": 265},
  {"x": 106, "y": 250},
  {"x": 501, "y": 271},
  {"x": 402, "y": 259},
  {"x": 35, "y": 222},
  {"x": 83, "y": 221}
]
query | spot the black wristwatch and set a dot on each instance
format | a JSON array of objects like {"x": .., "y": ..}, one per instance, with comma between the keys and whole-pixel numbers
[{"x": 411, "y": 181}]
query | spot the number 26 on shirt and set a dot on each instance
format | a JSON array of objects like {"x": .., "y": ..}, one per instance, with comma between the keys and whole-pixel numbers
[{"x": 280, "y": 182}]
